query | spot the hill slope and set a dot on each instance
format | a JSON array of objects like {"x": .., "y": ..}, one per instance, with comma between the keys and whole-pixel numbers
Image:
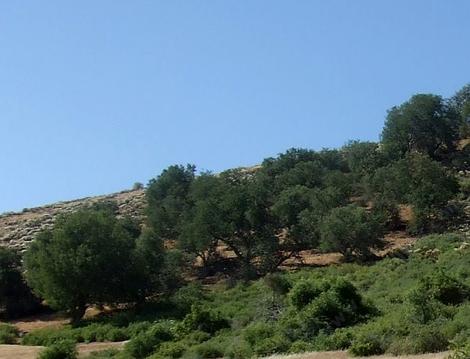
[{"x": 18, "y": 229}]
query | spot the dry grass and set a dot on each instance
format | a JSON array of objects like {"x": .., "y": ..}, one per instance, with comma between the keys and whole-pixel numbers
[
  {"x": 31, "y": 352},
  {"x": 344, "y": 355},
  {"x": 19, "y": 352},
  {"x": 40, "y": 321}
]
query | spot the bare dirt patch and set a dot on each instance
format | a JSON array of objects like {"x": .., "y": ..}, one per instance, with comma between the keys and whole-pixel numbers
[
  {"x": 49, "y": 320},
  {"x": 85, "y": 349},
  {"x": 19, "y": 352}
]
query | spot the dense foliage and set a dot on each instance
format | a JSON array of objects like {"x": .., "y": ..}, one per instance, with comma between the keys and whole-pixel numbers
[
  {"x": 91, "y": 257},
  {"x": 16, "y": 299}
]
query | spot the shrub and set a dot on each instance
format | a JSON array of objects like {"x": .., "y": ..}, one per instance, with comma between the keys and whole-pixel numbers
[
  {"x": 50, "y": 336},
  {"x": 145, "y": 343},
  {"x": 301, "y": 346},
  {"x": 434, "y": 292},
  {"x": 238, "y": 349},
  {"x": 186, "y": 296},
  {"x": 277, "y": 343},
  {"x": 8, "y": 334},
  {"x": 203, "y": 319},
  {"x": 340, "y": 339},
  {"x": 303, "y": 292},
  {"x": 170, "y": 350},
  {"x": 64, "y": 349},
  {"x": 338, "y": 305},
  {"x": 209, "y": 350},
  {"x": 138, "y": 327},
  {"x": 422, "y": 339},
  {"x": 257, "y": 332},
  {"x": 465, "y": 186},
  {"x": 462, "y": 352},
  {"x": 366, "y": 345},
  {"x": 16, "y": 298}
]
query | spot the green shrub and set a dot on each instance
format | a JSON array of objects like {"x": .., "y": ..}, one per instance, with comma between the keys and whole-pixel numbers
[
  {"x": 146, "y": 342},
  {"x": 422, "y": 339},
  {"x": 209, "y": 350},
  {"x": 171, "y": 350},
  {"x": 16, "y": 298},
  {"x": 64, "y": 349},
  {"x": 8, "y": 334},
  {"x": 203, "y": 319},
  {"x": 277, "y": 343},
  {"x": 258, "y": 331},
  {"x": 187, "y": 296},
  {"x": 301, "y": 346},
  {"x": 366, "y": 345},
  {"x": 50, "y": 336},
  {"x": 462, "y": 352},
  {"x": 103, "y": 332},
  {"x": 340, "y": 339},
  {"x": 465, "y": 187},
  {"x": 138, "y": 327},
  {"x": 238, "y": 349},
  {"x": 303, "y": 292}
]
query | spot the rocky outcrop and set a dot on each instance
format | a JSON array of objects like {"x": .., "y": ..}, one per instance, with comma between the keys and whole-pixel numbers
[{"x": 17, "y": 230}]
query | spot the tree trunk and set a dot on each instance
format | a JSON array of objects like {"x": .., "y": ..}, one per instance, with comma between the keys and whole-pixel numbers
[{"x": 77, "y": 313}]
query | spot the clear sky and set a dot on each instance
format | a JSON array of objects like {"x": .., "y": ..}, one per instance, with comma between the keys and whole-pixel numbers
[{"x": 96, "y": 95}]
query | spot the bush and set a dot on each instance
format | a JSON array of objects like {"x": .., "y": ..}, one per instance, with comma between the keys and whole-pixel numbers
[
  {"x": 366, "y": 345},
  {"x": 186, "y": 296},
  {"x": 303, "y": 292},
  {"x": 462, "y": 352},
  {"x": 209, "y": 350},
  {"x": 8, "y": 334},
  {"x": 203, "y": 319},
  {"x": 102, "y": 333},
  {"x": 170, "y": 350},
  {"x": 145, "y": 343},
  {"x": 16, "y": 299},
  {"x": 422, "y": 339},
  {"x": 258, "y": 331},
  {"x": 465, "y": 186},
  {"x": 49, "y": 336},
  {"x": 64, "y": 349},
  {"x": 277, "y": 343},
  {"x": 429, "y": 300}
]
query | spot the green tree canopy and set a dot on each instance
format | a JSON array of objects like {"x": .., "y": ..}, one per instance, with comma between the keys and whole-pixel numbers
[
  {"x": 87, "y": 258},
  {"x": 15, "y": 297},
  {"x": 424, "y": 124},
  {"x": 419, "y": 181},
  {"x": 351, "y": 231},
  {"x": 167, "y": 198}
]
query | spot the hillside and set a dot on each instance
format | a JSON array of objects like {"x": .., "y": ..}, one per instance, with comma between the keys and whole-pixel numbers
[{"x": 18, "y": 229}]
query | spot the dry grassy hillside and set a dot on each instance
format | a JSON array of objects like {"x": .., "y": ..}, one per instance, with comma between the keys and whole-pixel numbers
[{"x": 18, "y": 229}]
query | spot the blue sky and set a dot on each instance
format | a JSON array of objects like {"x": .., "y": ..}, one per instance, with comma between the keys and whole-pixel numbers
[{"x": 96, "y": 95}]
